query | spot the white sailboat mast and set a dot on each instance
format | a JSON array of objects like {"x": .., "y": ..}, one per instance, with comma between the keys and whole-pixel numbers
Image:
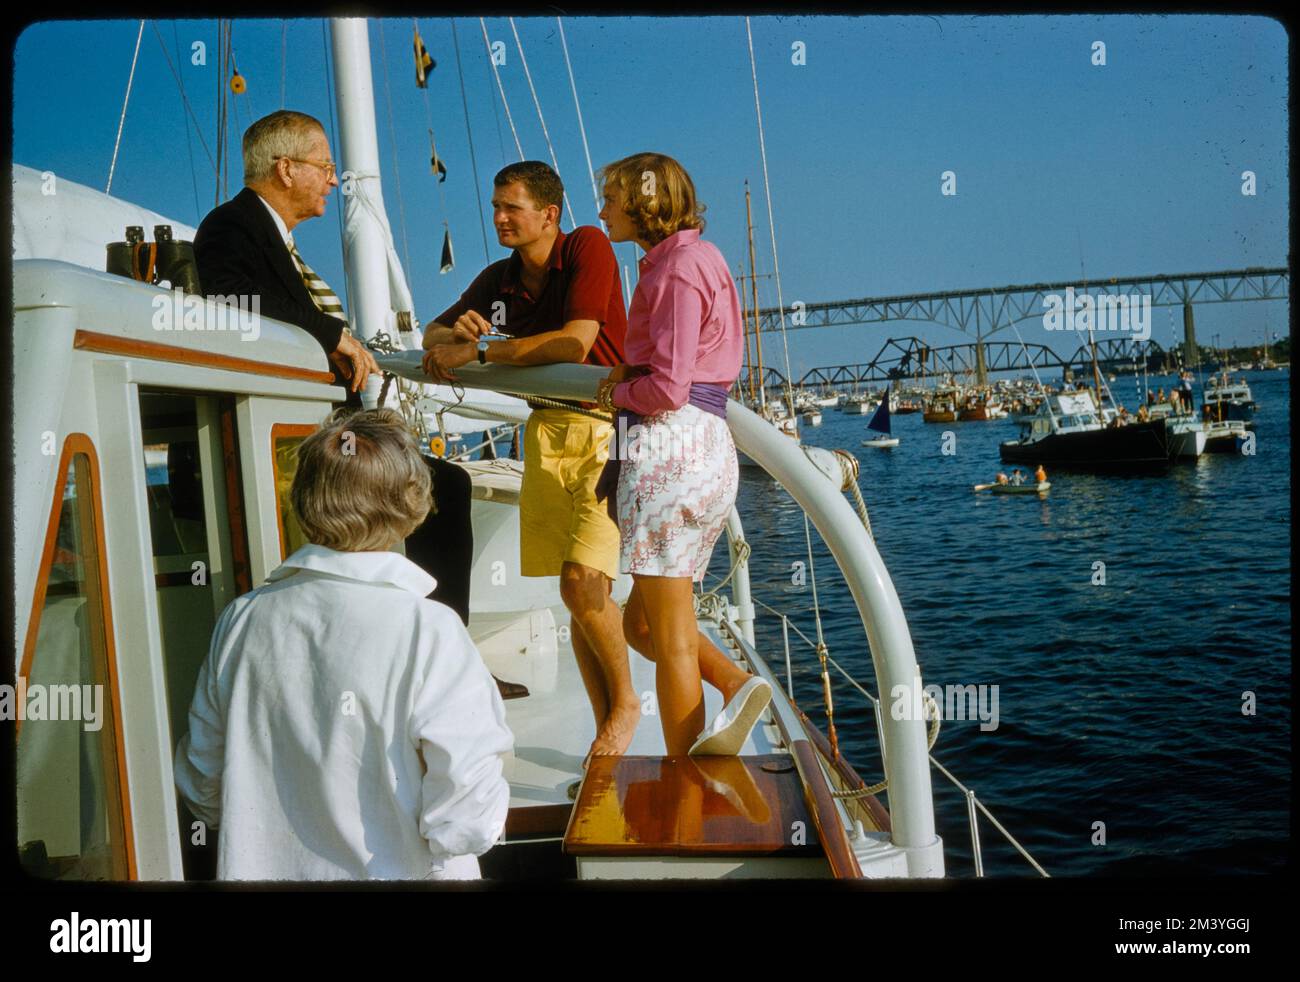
[{"x": 365, "y": 244}]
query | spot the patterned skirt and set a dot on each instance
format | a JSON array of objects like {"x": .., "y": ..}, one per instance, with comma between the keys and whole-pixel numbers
[{"x": 676, "y": 486}]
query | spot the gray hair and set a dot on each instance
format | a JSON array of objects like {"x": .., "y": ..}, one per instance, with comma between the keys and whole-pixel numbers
[
  {"x": 284, "y": 133},
  {"x": 361, "y": 484}
]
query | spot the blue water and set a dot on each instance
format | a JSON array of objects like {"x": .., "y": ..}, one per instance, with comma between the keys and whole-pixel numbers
[{"x": 1118, "y": 703}]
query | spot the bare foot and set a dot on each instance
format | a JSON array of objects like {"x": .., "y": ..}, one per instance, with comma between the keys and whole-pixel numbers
[
  {"x": 614, "y": 735},
  {"x": 733, "y": 685}
]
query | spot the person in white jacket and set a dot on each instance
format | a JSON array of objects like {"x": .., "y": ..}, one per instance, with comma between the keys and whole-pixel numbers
[{"x": 344, "y": 726}]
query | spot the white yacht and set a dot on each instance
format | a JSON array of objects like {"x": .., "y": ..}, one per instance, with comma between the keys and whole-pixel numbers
[{"x": 155, "y": 472}]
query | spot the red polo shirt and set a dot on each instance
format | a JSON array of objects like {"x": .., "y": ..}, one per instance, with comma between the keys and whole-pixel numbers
[{"x": 583, "y": 284}]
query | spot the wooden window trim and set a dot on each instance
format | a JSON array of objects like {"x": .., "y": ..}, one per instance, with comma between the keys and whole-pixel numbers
[
  {"x": 73, "y": 444},
  {"x": 234, "y": 497},
  {"x": 279, "y": 430},
  {"x": 113, "y": 345}
]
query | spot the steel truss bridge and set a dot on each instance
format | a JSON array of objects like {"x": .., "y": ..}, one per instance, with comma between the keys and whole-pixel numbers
[
  {"x": 988, "y": 310},
  {"x": 912, "y": 359}
]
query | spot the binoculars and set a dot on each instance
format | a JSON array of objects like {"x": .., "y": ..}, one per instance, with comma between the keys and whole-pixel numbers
[{"x": 163, "y": 260}]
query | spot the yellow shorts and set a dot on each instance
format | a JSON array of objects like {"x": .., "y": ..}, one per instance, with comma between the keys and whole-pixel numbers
[{"x": 560, "y": 519}]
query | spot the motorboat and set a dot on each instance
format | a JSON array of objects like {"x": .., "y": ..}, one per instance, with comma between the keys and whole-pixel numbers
[
  {"x": 1068, "y": 431},
  {"x": 1228, "y": 400}
]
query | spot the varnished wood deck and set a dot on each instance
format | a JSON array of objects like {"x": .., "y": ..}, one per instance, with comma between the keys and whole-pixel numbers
[{"x": 691, "y": 806}]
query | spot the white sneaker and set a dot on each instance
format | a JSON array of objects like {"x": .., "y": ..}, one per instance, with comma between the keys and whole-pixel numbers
[{"x": 731, "y": 727}]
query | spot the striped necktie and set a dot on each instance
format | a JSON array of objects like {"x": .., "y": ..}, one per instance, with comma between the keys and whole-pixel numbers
[{"x": 324, "y": 298}]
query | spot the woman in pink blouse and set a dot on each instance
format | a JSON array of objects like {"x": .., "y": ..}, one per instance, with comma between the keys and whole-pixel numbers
[{"x": 672, "y": 474}]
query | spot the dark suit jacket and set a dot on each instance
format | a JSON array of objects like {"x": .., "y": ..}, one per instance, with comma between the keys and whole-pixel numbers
[
  {"x": 239, "y": 251},
  {"x": 444, "y": 545}
]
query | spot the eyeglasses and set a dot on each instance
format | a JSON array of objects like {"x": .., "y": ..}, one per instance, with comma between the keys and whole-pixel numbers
[{"x": 327, "y": 165}]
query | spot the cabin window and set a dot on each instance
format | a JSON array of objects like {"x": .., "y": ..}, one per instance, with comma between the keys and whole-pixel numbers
[
  {"x": 200, "y": 546},
  {"x": 70, "y": 807},
  {"x": 285, "y": 440}
]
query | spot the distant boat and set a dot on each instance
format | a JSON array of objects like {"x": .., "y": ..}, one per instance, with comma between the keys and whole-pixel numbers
[
  {"x": 981, "y": 405},
  {"x": 1069, "y": 432},
  {"x": 1187, "y": 437},
  {"x": 1040, "y": 488},
  {"x": 1226, "y": 436},
  {"x": 1229, "y": 400},
  {"x": 879, "y": 423},
  {"x": 813, "y": 417},
  {"x": 857, "y": 404},
  {"x": 942, "y": 407}
]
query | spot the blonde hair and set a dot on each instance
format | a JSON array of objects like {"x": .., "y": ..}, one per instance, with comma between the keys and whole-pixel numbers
[
  {"x": 658, "y": 194},
  {"x": 361, "y": 484},
  {"x": 284, "y": 133}
]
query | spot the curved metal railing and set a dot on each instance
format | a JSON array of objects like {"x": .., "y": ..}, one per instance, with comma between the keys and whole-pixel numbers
[{"x": 904, "y": 748}]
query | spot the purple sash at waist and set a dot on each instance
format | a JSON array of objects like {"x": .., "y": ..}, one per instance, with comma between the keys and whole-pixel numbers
[{"x": 708, "y": 396}]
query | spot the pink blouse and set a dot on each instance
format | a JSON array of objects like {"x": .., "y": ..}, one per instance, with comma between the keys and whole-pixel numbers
[{"x": 684, "y": 325}]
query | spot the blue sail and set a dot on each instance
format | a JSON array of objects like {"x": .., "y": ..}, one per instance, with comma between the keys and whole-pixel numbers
[{"x": 880, "y": 421}]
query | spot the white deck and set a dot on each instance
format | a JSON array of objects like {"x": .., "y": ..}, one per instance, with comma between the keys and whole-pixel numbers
[{"x": 554, "y": 729}]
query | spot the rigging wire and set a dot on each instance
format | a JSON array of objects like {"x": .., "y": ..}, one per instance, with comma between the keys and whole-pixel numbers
[
  {"x": 771, "y": 221},
  {"x": 487, "y": 45},
  {"x": 181, "y": 86},
  {"x": 582, "y": 129},
  {"x": 189, "y": 143},
  {"x": 234, "y": 101},
  {"x": 392, "y": 131},
  {"x": 776, "y": 272},
  {"x": 496, "y": 114},
  {"x": 125, "y": 101},
  {"x": 473, "y": 162},
  {"x": 542, "y": 119},
  {"x": 250, "y": 109},
  {"x": 221, "y": 114},
  {"x": 228, "y": 62}
]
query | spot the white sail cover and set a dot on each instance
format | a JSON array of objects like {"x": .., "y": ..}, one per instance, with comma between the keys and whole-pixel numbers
[
  {"x": 55, "y": 218},
  {"x": 359, "y": 208}
]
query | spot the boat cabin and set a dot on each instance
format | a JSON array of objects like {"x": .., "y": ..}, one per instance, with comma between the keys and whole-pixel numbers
[
  {"x": 1066, "y": 412},
  {"x": 155, "y": 472}
]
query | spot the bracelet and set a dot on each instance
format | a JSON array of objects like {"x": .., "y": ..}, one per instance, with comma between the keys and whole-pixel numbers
[{"x": 605, "y": 396}]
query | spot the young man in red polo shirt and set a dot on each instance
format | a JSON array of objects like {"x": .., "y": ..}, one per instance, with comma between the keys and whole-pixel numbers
[{"x": 558, "y": 297}]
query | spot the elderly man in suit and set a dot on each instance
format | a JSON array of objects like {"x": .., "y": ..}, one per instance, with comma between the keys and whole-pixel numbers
[{"x": 245, "y": 247}]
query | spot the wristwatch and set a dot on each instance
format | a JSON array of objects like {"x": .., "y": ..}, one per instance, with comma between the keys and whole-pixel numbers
[{"x": 482, "y": 351}]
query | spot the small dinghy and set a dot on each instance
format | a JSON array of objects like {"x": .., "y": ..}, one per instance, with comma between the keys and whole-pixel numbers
[
  {"x": 879, "y": 423},
  {"x": 1040, "y": 488}
]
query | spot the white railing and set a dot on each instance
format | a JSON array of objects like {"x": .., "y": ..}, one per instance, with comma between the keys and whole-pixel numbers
[{"x": 904, "y": 746}]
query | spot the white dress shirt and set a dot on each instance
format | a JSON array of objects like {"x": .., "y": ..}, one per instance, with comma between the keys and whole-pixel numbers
[
  {"x": 280, "y": 223},
  {"x": 321, "y": 692}
]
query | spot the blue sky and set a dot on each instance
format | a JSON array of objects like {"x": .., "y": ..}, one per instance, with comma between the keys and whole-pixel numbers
[{"x": 1129, "y": 168}]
